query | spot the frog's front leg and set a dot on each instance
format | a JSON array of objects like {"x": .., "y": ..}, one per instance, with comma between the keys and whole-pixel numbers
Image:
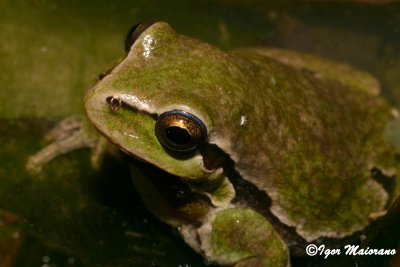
[
  {"x": 241, "y": 237},
  {"x": 70, "y": 134}
]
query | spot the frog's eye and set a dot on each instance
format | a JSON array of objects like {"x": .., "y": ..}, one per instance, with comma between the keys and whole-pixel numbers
[
  {"x": 134, "y": 33},
  {"x": 180, "y": 131}
]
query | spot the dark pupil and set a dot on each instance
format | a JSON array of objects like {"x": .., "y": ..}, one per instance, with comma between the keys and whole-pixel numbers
[{"x": 178, "y": 135}]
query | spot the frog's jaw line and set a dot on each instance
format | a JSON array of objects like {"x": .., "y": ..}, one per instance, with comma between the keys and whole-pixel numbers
[{"x": 149, "y": 161}]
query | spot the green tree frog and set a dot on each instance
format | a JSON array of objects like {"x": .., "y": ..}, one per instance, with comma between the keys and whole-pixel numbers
[{"x": 250, "y": 154}]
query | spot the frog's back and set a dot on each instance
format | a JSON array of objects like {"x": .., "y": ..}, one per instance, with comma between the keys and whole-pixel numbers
[{"x": 321, "y": 133}]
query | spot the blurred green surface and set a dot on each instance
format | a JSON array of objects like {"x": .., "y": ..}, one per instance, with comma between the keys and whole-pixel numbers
[{"x": 51, "y": 51}]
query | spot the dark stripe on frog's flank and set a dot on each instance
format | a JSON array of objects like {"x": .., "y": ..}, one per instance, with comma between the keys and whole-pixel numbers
[{"x": 248, "y": 195}]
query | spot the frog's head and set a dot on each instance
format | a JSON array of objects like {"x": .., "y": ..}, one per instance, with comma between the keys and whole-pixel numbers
[{"x": 170, "y": 97}]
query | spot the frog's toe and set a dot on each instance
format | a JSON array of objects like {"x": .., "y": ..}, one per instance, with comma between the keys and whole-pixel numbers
[
  {"x": 33, "y": 166},
  {"x": 65, "y": 128},
  {"x": 242, "y": 238},
  {"x": 70, "y": 134}
]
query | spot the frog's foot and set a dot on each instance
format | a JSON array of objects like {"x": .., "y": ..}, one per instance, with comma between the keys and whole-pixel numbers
[
  {"x": 70, "y": 134},
  {"x": 241, "y": 237}
]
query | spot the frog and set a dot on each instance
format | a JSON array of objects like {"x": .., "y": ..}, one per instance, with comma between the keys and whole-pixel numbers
[{"x": 250, "y": 154}]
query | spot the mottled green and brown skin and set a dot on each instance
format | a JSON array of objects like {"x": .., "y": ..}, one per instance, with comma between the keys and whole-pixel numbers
[{"x": 305, "y": 132}]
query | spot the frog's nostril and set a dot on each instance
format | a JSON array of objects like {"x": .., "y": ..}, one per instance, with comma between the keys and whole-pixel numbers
[{"x": 113, "y": 102}]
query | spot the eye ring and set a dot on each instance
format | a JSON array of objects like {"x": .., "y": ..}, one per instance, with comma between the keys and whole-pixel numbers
[
  {"x": 180, "y": 131},
  {"x": 134, "y": 32}
]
